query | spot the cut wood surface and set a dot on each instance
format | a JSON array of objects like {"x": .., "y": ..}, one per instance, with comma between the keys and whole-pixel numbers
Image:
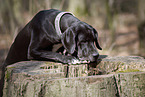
[{"x": 110, "y": 77}]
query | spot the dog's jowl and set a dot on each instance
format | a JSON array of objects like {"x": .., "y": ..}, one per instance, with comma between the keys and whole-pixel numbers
[{"x": 54, "y": 35}]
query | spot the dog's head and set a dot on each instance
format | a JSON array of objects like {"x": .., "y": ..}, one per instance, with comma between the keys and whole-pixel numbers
[{"x": 81, "y": 39}]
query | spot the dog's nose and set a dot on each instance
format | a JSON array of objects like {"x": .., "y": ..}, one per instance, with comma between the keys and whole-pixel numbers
[{"x": 96, "y": 56}]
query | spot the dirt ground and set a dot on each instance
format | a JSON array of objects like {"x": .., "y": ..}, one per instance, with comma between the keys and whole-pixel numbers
[
  {"x": 127, "y": 43},
  {"x": 126, "y": 33}
]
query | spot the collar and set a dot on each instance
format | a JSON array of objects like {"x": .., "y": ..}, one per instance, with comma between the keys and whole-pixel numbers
[{"x": 57, "y": 22}]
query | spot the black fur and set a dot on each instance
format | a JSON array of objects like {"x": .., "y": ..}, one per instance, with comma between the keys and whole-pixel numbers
[
  {"x": 36, "y": 41},
  {"x": 37, "y": 38}
]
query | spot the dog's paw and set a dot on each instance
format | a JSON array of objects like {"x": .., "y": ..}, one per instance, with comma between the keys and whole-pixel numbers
[
  {"x": 85, "y": 61},
  {"x": 77, "y": 61}
]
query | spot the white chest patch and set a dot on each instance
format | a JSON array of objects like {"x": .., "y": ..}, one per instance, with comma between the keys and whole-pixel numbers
[{"x": 56, "y": 47}]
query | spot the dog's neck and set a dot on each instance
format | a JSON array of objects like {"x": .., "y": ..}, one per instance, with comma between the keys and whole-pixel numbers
[
  {"x": 57, "y": 22},
  {"x": 67, "y": 21}
]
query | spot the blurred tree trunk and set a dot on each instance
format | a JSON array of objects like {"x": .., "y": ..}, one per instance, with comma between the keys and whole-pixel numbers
[
  {"x": 141, "y": 33},
  {"x": 110, "y": 17},
  {"x": 14, "y": 13},
  {"x": 141, "y": 27},
  {"x": 8, "y": 17},
  {"x": 37, "y": 5},
  {"x": 141, "y": 10},
  {"x": 97, "y": 13},
  {"x": 78, "y": 7}
]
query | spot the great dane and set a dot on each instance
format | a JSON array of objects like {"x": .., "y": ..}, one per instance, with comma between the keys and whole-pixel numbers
[{"x": 54, "y": 35}]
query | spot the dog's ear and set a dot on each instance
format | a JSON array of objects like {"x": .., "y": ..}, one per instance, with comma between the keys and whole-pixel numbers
[
  {"x": 96, "y": 39},
  {"x": 68, "y": 40}
]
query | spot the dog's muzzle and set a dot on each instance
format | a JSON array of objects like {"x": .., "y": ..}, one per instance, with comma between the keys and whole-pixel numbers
[{"x": 91, "y": 58}]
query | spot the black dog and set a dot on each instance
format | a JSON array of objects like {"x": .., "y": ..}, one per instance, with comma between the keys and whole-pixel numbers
[{"x": 49, "y": 34}]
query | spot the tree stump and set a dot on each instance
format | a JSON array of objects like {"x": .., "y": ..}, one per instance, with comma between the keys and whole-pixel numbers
[{"x": 120, "y": 77}]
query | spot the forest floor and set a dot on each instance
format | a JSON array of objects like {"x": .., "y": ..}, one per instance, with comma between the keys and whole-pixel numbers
[{"x": 127, "y": 43}]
